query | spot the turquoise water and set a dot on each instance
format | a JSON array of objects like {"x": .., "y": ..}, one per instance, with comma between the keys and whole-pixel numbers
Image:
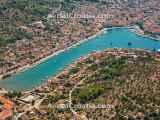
[{"x": 37, "y": 75}]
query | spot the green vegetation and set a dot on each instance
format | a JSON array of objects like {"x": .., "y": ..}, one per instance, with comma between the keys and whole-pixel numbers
[
  {"x": 30, "y": 56},
  {"x": 1, "y": 103},
  {"x": 125, "y": 83},
  {"x": 158, "y": 20},
  {"x": 14, "y": 94},
  {"x": 93, "y": 0},
  {"x": 108, "y": 68},
  {"x": 89, "y": 92},
  {"x": 15, "y": 13},
  {"x": 30, "y": 9},
  {"x": 128, "y": 85},
  {"x": 4, "y": 40},
  {"x": 20, "y": 12},
  {"x": 140, "y": 24},
  {"x": 17, "y": 35},
  {"x": 74, "y": 70}
]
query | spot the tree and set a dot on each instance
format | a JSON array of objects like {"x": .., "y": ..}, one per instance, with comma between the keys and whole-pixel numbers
[
  {"x": 141, "y": 25},
  {"x": 1, "y": 103}
]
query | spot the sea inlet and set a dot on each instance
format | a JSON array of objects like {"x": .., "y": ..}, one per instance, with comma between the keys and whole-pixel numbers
[{"x": 111, "y": 38}]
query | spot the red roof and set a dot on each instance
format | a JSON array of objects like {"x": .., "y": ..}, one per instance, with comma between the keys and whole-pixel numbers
[
  {"x": 6, "y": 109},
  {"x": 5, "y": 114}
]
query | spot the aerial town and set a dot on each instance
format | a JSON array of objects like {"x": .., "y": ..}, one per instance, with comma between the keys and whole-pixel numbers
[
  {"x": 32, "y": 31},
  {"x": 53, "y": 99},
  {"x": 25, "y": 52}
]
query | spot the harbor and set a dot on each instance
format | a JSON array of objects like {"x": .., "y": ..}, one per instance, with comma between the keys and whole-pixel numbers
[{"x": 40, "y": 73}]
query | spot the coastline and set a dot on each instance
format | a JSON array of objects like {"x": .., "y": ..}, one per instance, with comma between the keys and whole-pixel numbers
[
  {"x": 68, "y": 67},
  {"x": 141, "y": 33},
  {"x": 24, "y": 68},
  {"x": 134, "y": 29}
]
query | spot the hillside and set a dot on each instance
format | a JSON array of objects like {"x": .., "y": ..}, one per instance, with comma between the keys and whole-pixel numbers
[
  {"x": 16, "y": 13},
  {"x": 26, "y": 26},
  {"x": 126, "y": 81}
]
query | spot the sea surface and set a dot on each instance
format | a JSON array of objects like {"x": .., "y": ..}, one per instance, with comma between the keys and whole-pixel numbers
[{"x": 113, "y": 38}]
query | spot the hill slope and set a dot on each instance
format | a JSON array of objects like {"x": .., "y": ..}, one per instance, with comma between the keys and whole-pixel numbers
[{"x": 125, "y": 81}]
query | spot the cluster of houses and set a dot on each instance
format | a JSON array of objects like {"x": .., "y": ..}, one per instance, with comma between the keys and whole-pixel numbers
[
  {"x": 35, "y": 102},
  {"x": 44, "y": 43},
  {"x": 67, "y": 32},
  {"x": 6, "y": 109}
]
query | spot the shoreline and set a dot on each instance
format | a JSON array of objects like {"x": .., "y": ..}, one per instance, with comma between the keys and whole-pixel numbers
[
  {"x": 139, "y": 31},
  {"x": 134, "y": 29},
  {"x": 24, "y": 68},
  {"x": 68, "y": 67}
]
